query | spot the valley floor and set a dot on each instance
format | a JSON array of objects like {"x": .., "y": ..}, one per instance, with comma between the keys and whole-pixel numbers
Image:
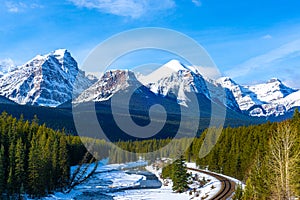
[{"x": 112, "y": 182}]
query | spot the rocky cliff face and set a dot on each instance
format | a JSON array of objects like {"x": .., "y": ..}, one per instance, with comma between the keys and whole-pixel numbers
[{"x": 46, "y": 80}]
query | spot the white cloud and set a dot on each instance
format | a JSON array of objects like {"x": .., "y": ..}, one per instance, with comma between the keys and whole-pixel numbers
[
  {"x": 17, "y": 7},
  {"x": 6, "y": 65},
  {"x": 35, "y": 5},
  {"x": 267, "y": 37},
  {"x": 265, "y": 60},
  {"x": 197, "y": 2},
  {"x": 14, "y": 7},
  {"x": 127, "y": 8}
]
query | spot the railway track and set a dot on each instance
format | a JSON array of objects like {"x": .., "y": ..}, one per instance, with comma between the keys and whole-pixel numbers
[{"x": 227, "y": 188}]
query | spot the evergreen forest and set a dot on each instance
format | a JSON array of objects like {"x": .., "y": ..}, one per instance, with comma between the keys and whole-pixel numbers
[{"x": 36, "y": 160}]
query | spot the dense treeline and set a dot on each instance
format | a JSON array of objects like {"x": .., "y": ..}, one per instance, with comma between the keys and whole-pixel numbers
[
  {"x": 35, "y": 159},
  {"x": 62, "y": 118},
  {"x": 266, "y": 157},
  {"x": 260, "y": 155},
  {"x": 148, "y": 149}
]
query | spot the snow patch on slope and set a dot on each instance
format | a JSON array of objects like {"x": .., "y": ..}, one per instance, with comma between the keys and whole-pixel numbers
[
  {"x": 111, "y": 82},
  {"x": 45, "y": 80},
  {"x": 266, "y": 99},
  {"x": 175, "y": 79}
]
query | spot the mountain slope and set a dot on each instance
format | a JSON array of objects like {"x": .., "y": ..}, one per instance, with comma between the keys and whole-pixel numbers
[
  {"x": 45, "y": 80},
  {"x": 175, "y": 79},
  {"x": 266, "y": 99},
  {"x": 54, "y": 79},
  {"x": 110, "y": 83}
]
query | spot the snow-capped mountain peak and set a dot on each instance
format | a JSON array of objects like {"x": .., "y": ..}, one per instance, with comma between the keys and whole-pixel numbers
[
  {"x": 270, "y": 91},
  {"x": 63, "y": 56},
  {"x": 60, "y": 53},
  {"x": 171, "y": 79},
  {"x": 54, "y": 78},
  {"x": 177, "y": 79},
  {"x": 174, "y": 65},
  {"x": 262, "y": 99},
  {"x": 166, "y": 70},
  {"x": 273, "y": 80},
  {"x": 110, "y": 83},
  {"x": 226, "y": 82},
  {"x": 46, "y": 80}
]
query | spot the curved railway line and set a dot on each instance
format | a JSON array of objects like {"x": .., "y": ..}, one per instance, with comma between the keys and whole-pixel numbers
[{"x": 227, "y": 188}]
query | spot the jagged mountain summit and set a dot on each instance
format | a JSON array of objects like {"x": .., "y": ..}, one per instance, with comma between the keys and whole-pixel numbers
[
  {"x": 110, "y": 83},
  {"x": 177, "y": 80},
  {"x": 272, "y": 98},
  {"x": 49, "y": 80},
  {"x": 174, "y": 78},
  {"x": 46, "y": 80}
]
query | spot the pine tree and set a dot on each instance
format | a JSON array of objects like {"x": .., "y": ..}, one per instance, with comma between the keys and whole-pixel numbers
[
  {"x": 20, "y": 173},
  {"x": 36, "y": 187},
  {"x": 180, "y": 175},
  {"x": 2, "y": 171},
  {"x": 55, "y": 163},
  {"x": 296, "y": 115},
  {"x": 44, "y": 158},
  {"x": 11, "y": 182},
  {"x": 64, "y": 162},
  {"x": 167, "y": 172},
  {"x": 33, "y": 158},
  {"x": 48, "y": 166}
]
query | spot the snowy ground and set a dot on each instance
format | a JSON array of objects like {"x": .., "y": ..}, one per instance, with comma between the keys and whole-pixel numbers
[
  {"x": 106, "y": 178},
  {"x": 109, "y": 179},
  {"x": 210, "y": 189},
  {"x": 238, "y": 182},
  {"x": 165, "y": 192}
]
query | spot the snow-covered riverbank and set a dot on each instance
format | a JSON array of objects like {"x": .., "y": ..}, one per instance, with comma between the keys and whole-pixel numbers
[
  {"x": 107, "y": 179},
  {"x": 165, "y": 192},
  {"x": 113, "y": 182}
]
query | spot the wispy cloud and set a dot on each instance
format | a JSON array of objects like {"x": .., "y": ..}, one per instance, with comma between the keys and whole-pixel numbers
[
  {"x": 197, "y": 2},
  {"x": 265, "y": 60},
  {"x": 17, "y": 7},
  {"x": 267, "y": 37},
  {"x": 127, "y": 8},
  {"x": 14, "y": 7},
  {"x": 6, "y": 65}
]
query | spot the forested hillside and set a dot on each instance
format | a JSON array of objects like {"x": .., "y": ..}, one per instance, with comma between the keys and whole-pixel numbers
[
  {"x": 264, "y": 156},
  {"x": 35, "y": 159},
  {"x": 32, "y": 157}
]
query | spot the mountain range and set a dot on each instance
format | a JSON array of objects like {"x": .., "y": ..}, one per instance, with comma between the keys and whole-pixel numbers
[{"x": 54, "y": 79}]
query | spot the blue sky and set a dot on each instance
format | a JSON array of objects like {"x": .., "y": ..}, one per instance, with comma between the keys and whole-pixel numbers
[{"x": 251, "y": 41}]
